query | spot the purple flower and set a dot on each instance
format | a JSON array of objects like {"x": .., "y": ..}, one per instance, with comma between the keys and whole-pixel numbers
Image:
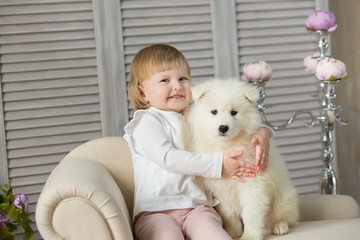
[
  {"x": 257, "y": 72},
  {"x": 21, "y": 198},
  {"x": 321, "y": 20},
  {"x": 330, "y": 69},
  {"x": 311, "y": 61},
  {"x": 3, "y": 219}
]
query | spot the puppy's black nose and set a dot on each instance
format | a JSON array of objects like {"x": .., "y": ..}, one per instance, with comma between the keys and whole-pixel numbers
[{"x": 223, "y": 128}]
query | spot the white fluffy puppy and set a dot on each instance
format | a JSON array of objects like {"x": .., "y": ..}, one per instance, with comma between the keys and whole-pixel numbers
[{"x": 223, "y": 118}]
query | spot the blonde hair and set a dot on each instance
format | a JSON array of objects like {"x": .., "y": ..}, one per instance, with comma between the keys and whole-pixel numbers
[{"x": 146, "y": 63}]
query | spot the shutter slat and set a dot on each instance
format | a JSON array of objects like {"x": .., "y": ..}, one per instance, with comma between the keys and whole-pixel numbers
[
  {"x": 173, "y": 38},
  {"x": 160, "y": 11},
  {"x": 35, "y": 161},
  {"x": 271, "y": 23},
  {"x": 156, "y": 3},
  {"x": 51, "y": 140},
  {"x": 251, "y": 42},
  {"x": 57, "y": 130},
  {"x": 306, "y": 172},
  {"x": 280, "y": 57},
  {"x": 49, "y": 65},
  {"x": 33, "y": 2},
  {"x": 32, "y": 170},
  {"x": 46, "y": 27},
  {"x": 171, "y": 29},
  {"x": 52, "y": 121},
  {"x": 185, "y": 48},
  {"x": 60, "y": 92},
  {"x": 274, "y": 49},
  {"x": 50, "y": 74},
  {"x": 44, "y": 37},
  {"x": 275, "y": 5},
  {"x": 261, "y": 15},
  {"x": 45, "y": 8},
  {"x": 266, "y": 32},
  {"x": 52, "y": 112},
  {"x": 165, "y": 21},
  {"x": 43, "y": 150},
  {"x": 47, "y": 103},
  {"x": 305, "y": 164},
  {"x": 50, "y": 84},
  {"x": 47, "y": 46},
  {"x": 306, "y": 156},
  {"x": 49, "y": 55},
  {"x": 46, "y": 17}
]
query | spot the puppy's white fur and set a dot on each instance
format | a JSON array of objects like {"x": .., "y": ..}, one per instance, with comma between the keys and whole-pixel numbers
[{"x": 222, "y": 119}]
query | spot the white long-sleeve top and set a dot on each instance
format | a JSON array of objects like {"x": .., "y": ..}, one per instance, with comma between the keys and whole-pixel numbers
[{"x": 163, "y": 170}]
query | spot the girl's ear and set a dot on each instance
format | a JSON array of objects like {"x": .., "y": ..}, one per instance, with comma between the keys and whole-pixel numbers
[{"x": 142, "y": 94}]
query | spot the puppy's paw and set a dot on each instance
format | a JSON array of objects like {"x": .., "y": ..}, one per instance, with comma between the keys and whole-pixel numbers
[{"x": 281, "y": 228}]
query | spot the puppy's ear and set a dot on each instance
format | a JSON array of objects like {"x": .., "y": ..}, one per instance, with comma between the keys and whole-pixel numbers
[
  {"x": 250, "y": 92},
  {"x": 199, "y": 91}
]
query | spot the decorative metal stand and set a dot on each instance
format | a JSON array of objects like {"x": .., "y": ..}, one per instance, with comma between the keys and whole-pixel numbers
[
  {"x": 262, "y": 108},
  {"x": 330, "y": 113}
]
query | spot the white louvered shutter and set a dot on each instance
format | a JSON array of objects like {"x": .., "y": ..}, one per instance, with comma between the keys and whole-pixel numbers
[
  {"x": 185, "y": 25},
  {"x": 274, "y": 31},
  {"x": 49, "y": 86}
]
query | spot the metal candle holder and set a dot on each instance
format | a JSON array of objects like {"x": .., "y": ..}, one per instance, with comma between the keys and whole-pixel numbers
[
  {"x": 261, "y": 107},
  {"x": 330, "y": 113}
]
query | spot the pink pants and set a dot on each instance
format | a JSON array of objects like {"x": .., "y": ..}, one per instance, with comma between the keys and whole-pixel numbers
[{"x": 202, "y": 223}]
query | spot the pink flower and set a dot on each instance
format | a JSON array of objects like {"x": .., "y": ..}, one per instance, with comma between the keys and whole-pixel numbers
[
  {"x": 311, "y": 61},
  {"x": 321, "y": 20},
  {"x": 21, "y": 198},
  {"x": 3, "y": 219},
  {"x": 257, "y": 72},
  {"x": 330, "y": 69}
]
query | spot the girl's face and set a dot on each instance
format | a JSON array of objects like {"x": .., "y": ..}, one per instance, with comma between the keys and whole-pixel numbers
[{"x": 169, "y": 90}]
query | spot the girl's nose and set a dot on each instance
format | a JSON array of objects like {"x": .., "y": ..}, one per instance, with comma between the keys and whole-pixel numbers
[{"x": 176, "y": 85}]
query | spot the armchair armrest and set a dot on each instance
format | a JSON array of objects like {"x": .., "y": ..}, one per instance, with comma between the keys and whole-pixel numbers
[
  {"x": 327, "y": 207},
  {"x": 81, "y": 200}
]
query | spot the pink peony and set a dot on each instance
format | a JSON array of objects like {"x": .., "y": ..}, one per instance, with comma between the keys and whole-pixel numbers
[
  {"x": 21, "y": 198},
  {"x": 3, "y": 219},
  {"x": 311, "y": 61},
  {"x": 321, "y": 20},
  {"x": 330, "y": 69},
  {"x": 257, "y": 72}
]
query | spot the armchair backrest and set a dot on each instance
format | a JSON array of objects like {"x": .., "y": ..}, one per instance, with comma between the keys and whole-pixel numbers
[{"x": 114, "y": 155}]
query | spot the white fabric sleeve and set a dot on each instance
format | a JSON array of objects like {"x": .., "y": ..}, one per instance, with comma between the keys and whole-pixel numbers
[{"x": 157, "y": 146}]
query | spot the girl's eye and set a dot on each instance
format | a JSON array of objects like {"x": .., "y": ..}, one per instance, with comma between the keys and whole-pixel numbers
[
  {"x": 214, "y": 112},
  {"x": 182, "y": 79},
  {"x": 233, "y": 112},
  {"x": 164, "y": 80}
]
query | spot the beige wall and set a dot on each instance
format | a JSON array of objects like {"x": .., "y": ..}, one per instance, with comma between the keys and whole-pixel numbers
[{"x": 345, "y": 45}]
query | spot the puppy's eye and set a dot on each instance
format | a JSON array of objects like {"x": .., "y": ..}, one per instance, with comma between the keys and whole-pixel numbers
[
  {"x": 233, "y": 112},
  {"x": 214, "y": 112}
]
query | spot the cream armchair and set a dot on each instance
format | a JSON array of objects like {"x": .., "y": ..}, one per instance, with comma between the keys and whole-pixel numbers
[{"x": 89, "y": 195}]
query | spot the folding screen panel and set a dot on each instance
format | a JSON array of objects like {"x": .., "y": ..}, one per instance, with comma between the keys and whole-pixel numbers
[{"x": 65, "y": 67}]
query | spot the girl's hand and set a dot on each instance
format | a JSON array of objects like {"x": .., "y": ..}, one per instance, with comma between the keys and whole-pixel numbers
[
  {"x": 235, "y": 168},
  {"x": 261, "y": 140}
]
